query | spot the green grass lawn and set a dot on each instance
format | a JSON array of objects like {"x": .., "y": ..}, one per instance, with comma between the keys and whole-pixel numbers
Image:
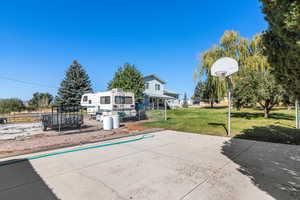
[{"x": 247, "y": 123}]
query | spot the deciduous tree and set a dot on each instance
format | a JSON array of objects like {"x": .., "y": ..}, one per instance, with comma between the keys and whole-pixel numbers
[
  {"x": 11, "y": 105},
  {"x": 129, "y": 78},
  {"x": 40, "y": 100}
]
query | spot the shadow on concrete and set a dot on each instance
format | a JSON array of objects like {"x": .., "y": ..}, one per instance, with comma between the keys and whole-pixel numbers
[
  {"x": 275, "y": 134},
  {"x": 273, "y": 168},
  {"x": 19, "y": 180}
]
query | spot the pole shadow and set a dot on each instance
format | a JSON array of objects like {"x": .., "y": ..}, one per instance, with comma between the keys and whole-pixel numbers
[{"x": 219, "y": 124}]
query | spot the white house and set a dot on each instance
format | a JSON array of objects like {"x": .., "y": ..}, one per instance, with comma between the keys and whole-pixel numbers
[{"x": 156, "y": 94}]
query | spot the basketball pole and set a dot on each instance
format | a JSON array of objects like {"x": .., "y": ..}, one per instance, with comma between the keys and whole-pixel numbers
[
  {"x": 229, "y": 84},
  {"x": 229, "y": 112},
  {"x": 223, "y": 68}
]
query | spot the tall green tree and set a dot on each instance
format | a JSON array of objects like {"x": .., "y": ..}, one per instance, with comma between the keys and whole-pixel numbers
[
  {"x": 75, "y": 84},
  {"x": 40, "y": 100},
  {"x": 129, "y": 78},
  {"x": 282, "y": 42}
]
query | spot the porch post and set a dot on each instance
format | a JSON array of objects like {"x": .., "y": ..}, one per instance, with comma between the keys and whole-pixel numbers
[{"x": 153, "y": 103}]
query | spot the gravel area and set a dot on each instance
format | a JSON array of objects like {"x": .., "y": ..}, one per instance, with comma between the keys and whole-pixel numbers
[{"x": 15, "y": 131}]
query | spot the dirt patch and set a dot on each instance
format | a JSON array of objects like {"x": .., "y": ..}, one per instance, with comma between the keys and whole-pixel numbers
[
  {"x": 53, "y": 140},
  {"x": 135, "y": 126},
  {"x": 23, "y": 119}
]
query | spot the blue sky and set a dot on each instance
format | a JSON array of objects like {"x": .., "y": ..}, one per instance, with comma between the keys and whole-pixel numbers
[{"x": 39, "y": 39}]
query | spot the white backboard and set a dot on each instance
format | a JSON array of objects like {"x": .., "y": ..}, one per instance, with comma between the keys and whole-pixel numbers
[{"x": 224, "y": 67}]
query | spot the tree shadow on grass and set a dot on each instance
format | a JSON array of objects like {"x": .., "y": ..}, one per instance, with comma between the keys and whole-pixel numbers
[
  {"x": 273, "y": 168},
  {"x": 272, "y": 133},
  {"x": 19, "y": 180},
  {"x": 214, "y": 108},
  {"x": 273, "y": 109},
  {"x": 250, "y": 115}
]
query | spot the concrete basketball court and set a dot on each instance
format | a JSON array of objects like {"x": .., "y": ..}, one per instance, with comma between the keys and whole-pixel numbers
[{"x": 171, "y": 165}]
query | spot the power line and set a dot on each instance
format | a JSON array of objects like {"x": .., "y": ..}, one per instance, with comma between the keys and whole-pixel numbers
[{"x": 27, "y": 82}]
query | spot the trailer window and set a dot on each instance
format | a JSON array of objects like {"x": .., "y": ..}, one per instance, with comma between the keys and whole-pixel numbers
[
  {"x": 105, "y": 100},
  {"x": 119, "y": 100},
  {"x": 85, "y": 98},
  {"x": 128, "y": 100}
]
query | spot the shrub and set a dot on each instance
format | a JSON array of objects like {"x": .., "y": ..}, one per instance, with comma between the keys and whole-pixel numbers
[{"x": 11, "y": 105}]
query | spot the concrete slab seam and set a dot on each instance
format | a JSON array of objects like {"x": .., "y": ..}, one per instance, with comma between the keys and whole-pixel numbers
[
  {"x": 101, "y": 182},
  {"x": 218, "y": 170}
]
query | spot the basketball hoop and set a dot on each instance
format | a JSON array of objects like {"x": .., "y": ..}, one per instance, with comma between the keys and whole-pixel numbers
[
  {"x": 221, "y": 74},
  {"x": 222, "y": 68}
]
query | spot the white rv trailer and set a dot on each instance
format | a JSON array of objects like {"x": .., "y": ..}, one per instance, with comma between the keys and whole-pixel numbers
[{"x": 115, "y": 101}]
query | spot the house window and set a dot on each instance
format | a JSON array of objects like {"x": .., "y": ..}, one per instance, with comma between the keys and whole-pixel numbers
[
  {"x": 90, "y": 101},
  {"x": 85, "y": 99},
  {"x": 147, "y": 86},
  {"x": 157, "y": 87},
  {"x": 105, "y": 100}
]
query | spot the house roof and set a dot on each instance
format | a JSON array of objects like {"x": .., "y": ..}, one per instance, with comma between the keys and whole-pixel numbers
[
  {"x": 170, "y": 92},
  {"x": 155, "y": 77},
  {"x": 158, "y": 95}
]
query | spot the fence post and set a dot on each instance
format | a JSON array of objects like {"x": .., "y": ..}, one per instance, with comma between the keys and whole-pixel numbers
[
  {"x": 165, "y": 109},
  {"x": 297, "y": 113},
  {"x": 58, "y": 120}
]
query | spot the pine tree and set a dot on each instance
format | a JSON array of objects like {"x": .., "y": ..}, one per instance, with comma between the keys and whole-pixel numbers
[
  {"x": 185, "y": 102},
  {"x": 129, "y": 78},
  {"x": 75, "y": 84},
  {"x": 198, "y": 90}
]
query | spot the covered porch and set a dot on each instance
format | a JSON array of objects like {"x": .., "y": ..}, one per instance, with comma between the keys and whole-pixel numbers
[{"x": 156, "y": 102}]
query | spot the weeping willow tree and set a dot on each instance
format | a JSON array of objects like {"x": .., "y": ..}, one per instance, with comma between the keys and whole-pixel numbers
[
  {"x": 248, "y": 53},
  {"x": 231, "y": 45},
  {"x": 215, "y": 89}
]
